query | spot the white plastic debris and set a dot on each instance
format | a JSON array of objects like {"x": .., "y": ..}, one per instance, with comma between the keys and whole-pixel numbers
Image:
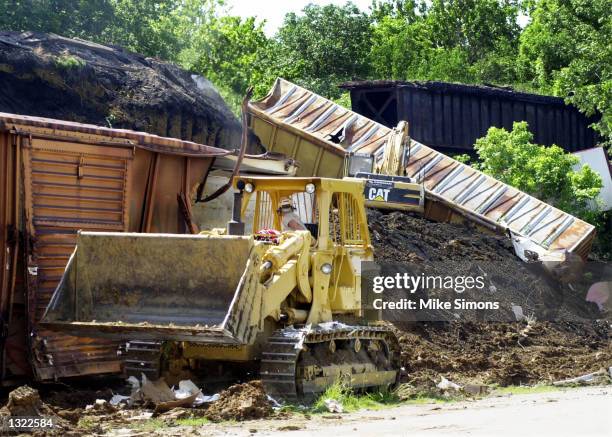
[
  {"x": 518, "y": 312},
  {"x": 188, "y": 389},
  {"x": 333, "y": 406},
  {"x": 133, "y": 381},
  {"x": 445, "y": 384},
  {"x": 276, "y": 404},
  {"x": 119, "y": 399},
  {"x": 590, "y": 378}
]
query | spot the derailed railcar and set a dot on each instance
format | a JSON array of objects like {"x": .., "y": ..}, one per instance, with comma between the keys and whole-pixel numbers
[
  {"x": 313, "y": 129},
  {"x": 57, "y": 178}
]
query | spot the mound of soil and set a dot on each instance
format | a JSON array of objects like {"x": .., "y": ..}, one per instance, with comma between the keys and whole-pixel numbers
[
  {"x": 498, "y": 353},
  {"x": 241, "y": 402},
  {"x": 25, "y": 401},
  {"x": 469, "y": 350},
  {"x": 71, "y": 79},
  {"x": 409, "y": 244}
]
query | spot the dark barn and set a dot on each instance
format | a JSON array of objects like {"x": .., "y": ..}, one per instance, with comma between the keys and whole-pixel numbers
[{"x": 450, "y": 117}]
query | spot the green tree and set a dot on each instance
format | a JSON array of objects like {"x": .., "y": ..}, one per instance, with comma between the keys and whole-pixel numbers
[
  {"x": 233, "y": 53},
  {"x": 544, "y": 172},
  {"x": 450, "y": 40},
  {"x": 87, "y": 19},
  {"x": 566, "y": 50},
  {"x": 323, "y": 46},
  {"x": 477, "y": 26},
  {"x": 150, "y": 27}
]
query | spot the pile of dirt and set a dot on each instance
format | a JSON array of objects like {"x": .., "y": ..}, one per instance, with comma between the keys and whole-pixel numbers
[
  {"x": 469, "y": 350},
  {"x": 71, "y": 79},
  {"x": 410, "y": 244},
  {"x": 498, "y": 353},
  {"x": 25, "y": 401},
  {"x": 241, "y": 402},
  {"x": 69, "y": 397}
]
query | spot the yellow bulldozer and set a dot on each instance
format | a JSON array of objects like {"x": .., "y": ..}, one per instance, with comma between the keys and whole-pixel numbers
[{"x": 286, "y": 296}]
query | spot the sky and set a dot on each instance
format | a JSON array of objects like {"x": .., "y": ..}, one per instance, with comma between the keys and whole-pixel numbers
[{"x": 273, "y": 11}]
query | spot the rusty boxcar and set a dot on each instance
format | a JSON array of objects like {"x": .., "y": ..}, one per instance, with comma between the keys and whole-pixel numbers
[{"x": 59, "y": 177}]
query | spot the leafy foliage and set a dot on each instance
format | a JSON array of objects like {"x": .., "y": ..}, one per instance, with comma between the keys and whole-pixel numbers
[
  {"x": 566, "y": 51},
  {"x": 324, "y": 46},
  {"x": 544, "y": 172},
  {"x": 459, "y": 40},
  {"x": 233, "y": 53},
  {"x": 563, "y": 50}
]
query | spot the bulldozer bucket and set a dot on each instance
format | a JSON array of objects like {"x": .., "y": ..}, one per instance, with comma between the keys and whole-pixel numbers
[{"x": 150, "y": 286}]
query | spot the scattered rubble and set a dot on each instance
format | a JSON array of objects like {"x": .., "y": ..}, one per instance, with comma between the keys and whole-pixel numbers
[
  {"x": 25, "y": 401},
  {"x": 600, "y": 377},
  {"x": 333, "y": 406},
  {"x": 161, "y": 397}
]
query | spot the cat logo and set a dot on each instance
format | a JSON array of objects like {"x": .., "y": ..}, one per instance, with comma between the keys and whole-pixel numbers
[{"x": 378, "y": 194}]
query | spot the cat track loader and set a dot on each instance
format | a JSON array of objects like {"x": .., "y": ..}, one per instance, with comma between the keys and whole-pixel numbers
[{"x": 286, "y": 297}]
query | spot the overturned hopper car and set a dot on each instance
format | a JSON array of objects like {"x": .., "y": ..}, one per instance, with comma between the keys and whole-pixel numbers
[
  {"x": 57, "y": 178},
  {"x": 319, "y": 133}
]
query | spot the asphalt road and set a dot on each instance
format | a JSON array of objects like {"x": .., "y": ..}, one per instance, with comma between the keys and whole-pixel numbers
[{"x": 570, "y": 412}]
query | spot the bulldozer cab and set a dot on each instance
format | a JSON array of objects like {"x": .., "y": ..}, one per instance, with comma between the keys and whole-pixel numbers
[{"x": 332, "y": 210}]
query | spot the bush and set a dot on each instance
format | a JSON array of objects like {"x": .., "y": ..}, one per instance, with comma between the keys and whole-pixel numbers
[{"x": 544, "y": 172}]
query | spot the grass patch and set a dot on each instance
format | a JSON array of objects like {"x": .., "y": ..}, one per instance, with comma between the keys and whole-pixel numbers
[
  {"x": 69, "y": 62},
  {"x": 525, "y": 389},
  {"x": 192, "y": 421},
  {"x": 353, "y": 402},
  {"x": 87, "y": 423},
  {"x": 150, "y": 425},
  {"x": 430, "y": 399}
]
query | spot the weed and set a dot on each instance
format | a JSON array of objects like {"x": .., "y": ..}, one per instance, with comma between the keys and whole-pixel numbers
[
  {"x": 68, "y": 62},
  {"x": 150, "y": 425},
  {"x": 352, "y": 401},
  {"x": 87, "y": 423},
  {"x": 192, "y": 421}
]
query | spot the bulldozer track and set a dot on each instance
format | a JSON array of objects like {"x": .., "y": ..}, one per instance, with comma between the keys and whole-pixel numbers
[{"x": 284, "y": 371}]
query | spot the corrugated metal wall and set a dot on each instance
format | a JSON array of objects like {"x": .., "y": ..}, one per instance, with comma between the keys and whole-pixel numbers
[
  {"x": 450, "y": 117},
  {"x": 57, "y": 178}
]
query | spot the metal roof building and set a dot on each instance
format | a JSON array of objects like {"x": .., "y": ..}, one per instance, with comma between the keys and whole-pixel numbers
[{"x": 450, "y": 117}]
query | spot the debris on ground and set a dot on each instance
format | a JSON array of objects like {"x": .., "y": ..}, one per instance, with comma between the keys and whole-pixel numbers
[
  {"x": 241, "y": 402},
  {"x": 333, "y": 406},
  {"x": 159, "y": 395},
  {"x": 410, "y": 244},
  {"x": 118, "y": 400},
  {"x": 25, "y": 401},
  {"x": 600, "y": 377},
  {"x": 101, "y": 406},
  {"x": 445, "y": 385},
  {"x": 476, "y": 389}
]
